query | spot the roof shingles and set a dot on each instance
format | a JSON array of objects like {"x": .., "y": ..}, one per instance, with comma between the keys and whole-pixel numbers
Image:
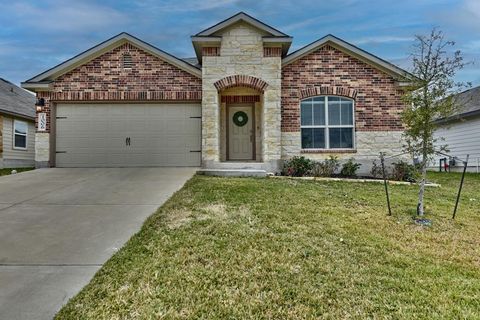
[{"x": 16, "y": 101}]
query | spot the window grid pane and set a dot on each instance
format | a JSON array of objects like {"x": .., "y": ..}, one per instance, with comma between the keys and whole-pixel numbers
[
  {"x": 319, "y": 113},
  {"x": 306, "y": 113},
  {"x": 20, "y": 127},
  {"x": 20, "y": 141}
]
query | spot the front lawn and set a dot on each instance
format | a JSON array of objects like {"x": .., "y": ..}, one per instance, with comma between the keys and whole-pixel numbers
[
  {"x": 241, "y": 248},
  {"x": 7, "y": 171}
]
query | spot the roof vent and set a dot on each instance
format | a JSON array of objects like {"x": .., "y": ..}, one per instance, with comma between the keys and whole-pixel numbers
[{"x": 127, "y": 61}]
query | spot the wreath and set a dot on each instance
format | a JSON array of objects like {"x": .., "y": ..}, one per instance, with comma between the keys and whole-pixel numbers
[{"x": 240, "y": 118}]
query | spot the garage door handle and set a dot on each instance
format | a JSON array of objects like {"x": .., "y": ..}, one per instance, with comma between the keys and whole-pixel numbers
[{"x": 127, "y": 141}]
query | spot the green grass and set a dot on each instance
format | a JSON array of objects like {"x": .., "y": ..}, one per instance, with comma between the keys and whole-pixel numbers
[
  {"x": 7, "y": 171},
  {"x": 240, "y": 248}
]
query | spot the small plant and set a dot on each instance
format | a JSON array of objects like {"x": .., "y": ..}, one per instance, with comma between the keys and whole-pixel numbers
[
  {"x": 326, "y": 168},
  {"x": 403, "y": 171},
  {"x": 349, "y": 168},
  {"x": 297, "y": 167},
  {"x": 376, "y": 170}
]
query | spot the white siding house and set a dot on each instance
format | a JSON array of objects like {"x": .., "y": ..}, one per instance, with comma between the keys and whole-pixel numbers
[
  {"x": 461, "y": 132},
  {"x": 17, "y": 126}
]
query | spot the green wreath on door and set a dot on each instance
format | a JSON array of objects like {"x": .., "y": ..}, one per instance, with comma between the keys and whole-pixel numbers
[{"x": 240, "y": 118}]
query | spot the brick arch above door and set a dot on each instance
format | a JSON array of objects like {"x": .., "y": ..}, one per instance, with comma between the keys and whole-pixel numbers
[{"x": 241, "y": 81}]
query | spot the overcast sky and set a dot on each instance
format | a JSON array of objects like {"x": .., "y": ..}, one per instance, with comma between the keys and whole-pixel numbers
[{"x": 38, "y": 34}]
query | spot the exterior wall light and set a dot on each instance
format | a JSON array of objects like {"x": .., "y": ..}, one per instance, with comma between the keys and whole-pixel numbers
[{"x": 40, "y": 104}]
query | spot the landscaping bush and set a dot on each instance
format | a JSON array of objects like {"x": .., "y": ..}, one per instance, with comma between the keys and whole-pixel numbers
[
  {"x": 297, "y": 167},
  {"x": 376, "y": 170},
  {"x": 326, "y": 168},
  {"x": 349, "y": 168},
  {"x": 403, "y": 171}
]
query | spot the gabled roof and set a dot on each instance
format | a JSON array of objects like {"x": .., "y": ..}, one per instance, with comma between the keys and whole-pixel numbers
[
  {"x": 42, "y": 80},
  {"x": 349, "y": 49},
  {"x": 15, "y": 101},
  {"x": 241, "y": 16},
  {"x": 212, "y": 37}
]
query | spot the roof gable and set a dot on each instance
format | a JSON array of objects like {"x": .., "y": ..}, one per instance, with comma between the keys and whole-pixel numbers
[
  {"x": 349, "y": 49},
  {"x": 241, "y": 16},
  {"x": 42, "y": 80}
]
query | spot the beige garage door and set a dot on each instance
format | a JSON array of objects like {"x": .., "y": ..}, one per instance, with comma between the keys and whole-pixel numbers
[{"x": 128, "y": 135}]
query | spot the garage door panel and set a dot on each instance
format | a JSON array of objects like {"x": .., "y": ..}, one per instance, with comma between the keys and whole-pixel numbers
[
  {"x": 160, "y": 135},
  {"x": 193, "y": 111},
  {"x": 117, "y": 126},
  {"x": 174, "y": 111},
  {"x": 175, "y": 127},
  {"x": 193, "y": 142},
  {"x": 193, "y": 127}
]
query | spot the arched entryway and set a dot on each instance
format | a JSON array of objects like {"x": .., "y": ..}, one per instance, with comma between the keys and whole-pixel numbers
[{"x": 241, "y": 121}]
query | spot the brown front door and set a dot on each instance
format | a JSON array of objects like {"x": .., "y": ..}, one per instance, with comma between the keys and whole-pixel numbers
[{"x": 241, "y": 133}]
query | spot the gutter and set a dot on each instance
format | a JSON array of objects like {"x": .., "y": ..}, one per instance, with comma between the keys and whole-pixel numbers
[{"x": 18, "y": 115}]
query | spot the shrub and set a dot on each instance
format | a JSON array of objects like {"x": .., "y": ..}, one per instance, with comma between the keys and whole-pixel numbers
[
  {"x": 403, "y": 171},
  {"x": 349, "y": 168},
  {"x": 297, "y": 166},
  {"x": 326, "y": 168},
  {"x": 376, "y": 170}
]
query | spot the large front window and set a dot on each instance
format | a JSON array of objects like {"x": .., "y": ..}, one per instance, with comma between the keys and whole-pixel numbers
[{"x": 327, "y": 123}]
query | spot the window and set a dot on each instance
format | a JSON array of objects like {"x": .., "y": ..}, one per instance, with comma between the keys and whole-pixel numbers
[
  {"x": 327, "y": 123},
  {"x": 20, "y": 130}
]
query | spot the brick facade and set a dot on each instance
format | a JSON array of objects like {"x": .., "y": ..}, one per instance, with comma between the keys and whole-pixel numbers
[
  {"x": 328, "y": 70},
  {"x": 105, "y": 79}
]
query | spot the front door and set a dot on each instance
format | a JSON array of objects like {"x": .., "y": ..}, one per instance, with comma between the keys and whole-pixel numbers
[{"x": 241, "y": 133}]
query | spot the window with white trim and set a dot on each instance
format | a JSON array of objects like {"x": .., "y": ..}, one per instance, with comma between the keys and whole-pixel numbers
[
  {"x": 20, "y": 132},
  {"x": 327, "y": 122}
]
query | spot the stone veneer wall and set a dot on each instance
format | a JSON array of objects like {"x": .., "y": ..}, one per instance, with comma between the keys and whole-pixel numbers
[
  {"x": 104, "y": 79},
  {"x": 241, "y": 53},
  {"x": 377, "y": 98}
]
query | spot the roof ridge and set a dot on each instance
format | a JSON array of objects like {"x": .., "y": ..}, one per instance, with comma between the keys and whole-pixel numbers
[{"x": 259, "y": 22}]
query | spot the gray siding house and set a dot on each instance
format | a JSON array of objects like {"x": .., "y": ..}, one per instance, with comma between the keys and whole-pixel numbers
[
  {"x": 461, "y": 132},
  {"x": 17, "y": 126}
]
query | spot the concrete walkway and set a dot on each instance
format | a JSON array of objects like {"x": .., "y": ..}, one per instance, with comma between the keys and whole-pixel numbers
[{"x": 58, "y": 226}]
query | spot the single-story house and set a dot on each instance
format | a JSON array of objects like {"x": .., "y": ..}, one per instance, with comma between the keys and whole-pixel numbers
[
  {"x": 17, "y": 126},
  {"x": 460, "y": 132},
  {"x": 244, "y": 102}
]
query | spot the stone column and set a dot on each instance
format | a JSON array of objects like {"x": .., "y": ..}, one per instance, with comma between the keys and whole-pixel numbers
[
  {"x": 42, "y": 149},
  {"x": 210, "y": 125}
]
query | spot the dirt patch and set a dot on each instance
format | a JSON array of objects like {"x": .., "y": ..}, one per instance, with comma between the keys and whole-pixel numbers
[{"x": 178, "y": 218}]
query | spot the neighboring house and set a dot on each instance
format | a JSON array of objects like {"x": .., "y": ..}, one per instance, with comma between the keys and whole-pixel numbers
[
  {"x": 243, "y": 102},
  {"x": 17, "y": 126},
  {"x": 460, "y": 133}
]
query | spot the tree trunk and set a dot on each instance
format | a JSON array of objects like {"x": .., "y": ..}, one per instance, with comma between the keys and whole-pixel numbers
[
  {"x": 421, "y": 192},
  {"x": 420, "y": 208}
]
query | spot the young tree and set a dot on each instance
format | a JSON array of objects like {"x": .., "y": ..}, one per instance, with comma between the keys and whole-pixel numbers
[{"x": 432, "y": 97}]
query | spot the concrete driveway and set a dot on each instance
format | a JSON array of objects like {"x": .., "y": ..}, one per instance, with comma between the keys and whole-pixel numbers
[{"x": 58, "y": 226}]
